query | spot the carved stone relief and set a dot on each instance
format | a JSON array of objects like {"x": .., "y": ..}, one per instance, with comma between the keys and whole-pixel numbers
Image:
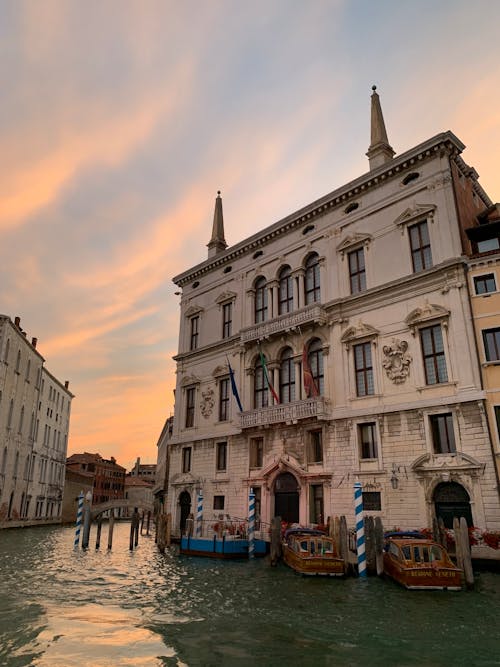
[
  {"x": 207, "y": 403},
  {"x": 397, "y": 360}
]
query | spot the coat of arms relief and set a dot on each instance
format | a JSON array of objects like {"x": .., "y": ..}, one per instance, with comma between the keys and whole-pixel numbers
[{"x": 397, "y": 360}]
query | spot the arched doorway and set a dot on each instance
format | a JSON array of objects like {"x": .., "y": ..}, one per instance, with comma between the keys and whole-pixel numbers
[
  {"x": 452, "y": 500},
  {"x": 185, "y": 504},
  {"x": 286, "y": 498}
]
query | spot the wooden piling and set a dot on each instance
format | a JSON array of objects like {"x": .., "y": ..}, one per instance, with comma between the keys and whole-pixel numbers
[
  {"x": 343, "y": 542},
  {"x": 98, "y": 535},
  {"x": 160, "y": 523},
  {"x": 110, "y": 528},
  {"x": 87, "y": 519},
  {"x": 442, "y": 532},
  {"x": 275, "y": 540},
  {"x": 458, "y": 543},
  {"x": 370, "y": 544},
  {"x": 148, "y": 519},
  {"x": 379, "y": 546},
  {"x": 466, "y": 553},
  {"x": 168, "y": 529},
  {"x": 136, "y": 528},
  {"x": 142, "y": 522},
  {"x": 132, "y": 531}
]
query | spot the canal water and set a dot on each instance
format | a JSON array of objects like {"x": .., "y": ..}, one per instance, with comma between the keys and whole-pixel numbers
[{"x": 64, "y": 608}]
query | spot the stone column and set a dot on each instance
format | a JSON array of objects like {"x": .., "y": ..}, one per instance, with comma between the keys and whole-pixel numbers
[
  {"x": 273, "y": 298},
  {"x": 249, "y": 312},
  {"x": 298, "y": 289},
  {"x": 299, "y": 393}
]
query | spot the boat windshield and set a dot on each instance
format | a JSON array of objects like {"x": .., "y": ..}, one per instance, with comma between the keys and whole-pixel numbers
[{"x": 427, "y": 553}]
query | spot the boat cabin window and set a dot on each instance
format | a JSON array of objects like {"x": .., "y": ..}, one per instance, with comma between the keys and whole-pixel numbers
[
  {"x": 436, "y": 553},
  {"x": 406, "y": 552},
  {"x": 421, "y": 554},
  {"x": 304, "y": 546},
  {"x": 394, "y": 551}
]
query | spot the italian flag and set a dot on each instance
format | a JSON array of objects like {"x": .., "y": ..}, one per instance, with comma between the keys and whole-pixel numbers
[{"x": 266, "y": 375}]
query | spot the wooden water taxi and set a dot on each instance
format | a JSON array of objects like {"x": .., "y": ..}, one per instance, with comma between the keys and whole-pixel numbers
[
  {"x": 311, "y": 552},
  {"x": 419, "y": 563}
]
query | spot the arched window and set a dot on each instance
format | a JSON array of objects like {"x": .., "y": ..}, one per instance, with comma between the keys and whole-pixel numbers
[
  {"x": 285, "y": 299},
  {"x": 4, "y": 461},
  {"x": 7, "y": 348},
  {"x": 315, "y": 357},
  {"x": 11, "y": 410},
  {"x": 260, "y": 387},
  {"x": 21, "y": 421},
  {"x": 287, "y": 377},
  {"x": 260, "y": 300},
  {"x": 18, "y": 361},
  {"x": 312, "y": 285}
]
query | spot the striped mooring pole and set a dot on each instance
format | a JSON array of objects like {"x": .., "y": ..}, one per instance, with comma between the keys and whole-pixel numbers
[
  {"x": 360, "y": 529},
  {"x": 199, "y": 513},
  {"x": 79, "y": 513},
  {"x": 251, "y": 524}
]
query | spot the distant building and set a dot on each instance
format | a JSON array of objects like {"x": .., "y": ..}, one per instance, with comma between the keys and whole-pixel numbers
[
  {"x": 108, "y": 476},
  {"x": 144, "y": 471},
  {"x": 138, "y": 492},
  {"x": 75, "y": 483},
  {"x": 34, "y": 424},
  {"x": 160, "y": 488},
  {"x": 348, "y": 327}
]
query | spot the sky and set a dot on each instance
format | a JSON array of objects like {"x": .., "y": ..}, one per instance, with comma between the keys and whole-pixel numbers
[{"x": 120, "y": 120}]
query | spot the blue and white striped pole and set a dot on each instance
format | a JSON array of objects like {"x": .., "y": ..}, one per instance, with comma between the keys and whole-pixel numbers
[
  {"x": 199, "y": 514},
  {"x": 360, "y": 529},
  {"x": 251, "y": 524},
  {"x": 79, "y": 513}
]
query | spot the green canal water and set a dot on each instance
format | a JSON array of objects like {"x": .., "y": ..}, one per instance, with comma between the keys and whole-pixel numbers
[{"x": 64, "y": 608}]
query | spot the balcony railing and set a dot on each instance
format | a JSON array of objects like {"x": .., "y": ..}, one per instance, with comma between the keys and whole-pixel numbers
[
  {"x": 313, "y": 313},
  {"x": 286, "y": 412}
]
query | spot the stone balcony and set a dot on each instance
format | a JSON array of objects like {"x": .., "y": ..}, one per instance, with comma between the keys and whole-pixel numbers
[
  {"x": 313, "y": 314},
  {"x": 289, "y": 413}
]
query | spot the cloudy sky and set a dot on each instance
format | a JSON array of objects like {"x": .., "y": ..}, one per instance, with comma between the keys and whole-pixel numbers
[{"x": 120, "y": 120}]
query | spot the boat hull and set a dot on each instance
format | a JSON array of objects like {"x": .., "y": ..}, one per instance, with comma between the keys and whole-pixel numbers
[
  {"x": 316, "y": 565},
  {"x": 220, "y": 547}
]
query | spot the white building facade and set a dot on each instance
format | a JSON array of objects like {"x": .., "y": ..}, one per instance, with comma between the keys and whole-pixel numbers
[
  {"x": 35, "y": 411},
  {"x": 358, "y": 306}
]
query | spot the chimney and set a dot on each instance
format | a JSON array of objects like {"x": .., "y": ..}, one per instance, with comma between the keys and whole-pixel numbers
[
  {"x": 66, "y": 382},
  {"x": 34, "y": 341},
  {"x": 17, "y": 322}
]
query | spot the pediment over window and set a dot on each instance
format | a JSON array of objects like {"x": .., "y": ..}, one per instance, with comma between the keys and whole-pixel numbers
[
  {"x": 426, "y": 313},
  {"x": 359, "y": 330},
  {"x": 189, "y": 379},
  {"x": 225, "y": 297},
  {"x": 220, "y": 370},
  {"x": 418, "y": 212},
  {"x": 183, "y": 478},
  {"x": 428, "y": 464},
  {"x": 193, "y": 310},
  {"x": 352, "y": 241}
]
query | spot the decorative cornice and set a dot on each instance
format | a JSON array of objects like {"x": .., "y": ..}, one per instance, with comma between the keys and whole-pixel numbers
[
  {"x": 426, "y": 313},
  {"x": 360, "y": 330},
  {"x": 226, "y": 296},
  {"x": 418, "y": 212},
  {"x": 352, "y": 241}
]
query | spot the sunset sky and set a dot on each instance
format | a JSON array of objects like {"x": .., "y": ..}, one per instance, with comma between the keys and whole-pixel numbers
[{"x": 120, "y": 120}]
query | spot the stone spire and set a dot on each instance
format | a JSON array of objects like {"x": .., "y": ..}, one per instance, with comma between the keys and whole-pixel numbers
[
  {"x": 380, "y": 151},
  {"x": 217, "y": 243}
]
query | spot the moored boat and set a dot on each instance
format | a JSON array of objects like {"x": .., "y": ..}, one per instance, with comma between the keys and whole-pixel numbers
[
  {"x": 419, "y": 563},
  {"x": 311, "y": 552},
  {"x": 220, "y": 547}
]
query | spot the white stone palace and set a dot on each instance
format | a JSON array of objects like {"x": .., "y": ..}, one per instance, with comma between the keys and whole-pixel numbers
[{"x": 358, "y": 305}]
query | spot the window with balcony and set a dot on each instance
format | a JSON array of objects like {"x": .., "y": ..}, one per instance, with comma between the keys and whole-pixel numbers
[
  {"x": 227, "y": 319},
  {"x": 367, "y": 441},
  {"x": 256, "y": 452},
  {"x": 491, "y": 340},
  {"x": 443, "y": 436},
  {"x": 316, "y": 510},
  {"x": 287, "y": 377},
  {"x": 260, "y": 300},
  {"x": 357, "y": 273},
  {"x": 285, "y": 294},
  {"x": 315, "y": 446},
  {"x": 363, "y": 369},
  {"x": 433, "y": 354},
  {"x": 186, "y": 459},
  {"x": 485, "y": 284},
  {"x": 420, "y": 246},
  {"x": 312, "y": 279},
  {"x": 316, "y": 365},
  {"x": 224, "y": 399},
  {"x": 190, "y": 406},
  {"x": 260, "y": 387},
  {"x": 221, "y": 456},
  {"x": 194, "y": 332}
]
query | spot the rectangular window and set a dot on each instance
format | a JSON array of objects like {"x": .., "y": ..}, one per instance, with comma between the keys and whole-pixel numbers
[
  {"x": 190, "y": 400},
  {"x": 315, "y": 446},
  {"x": 443, "y": 436},
  {"x": 221, "y": 461},
  {"x": 316, "y": 512},
  {"x": 433, "y": 353},
  {"x": 195, "y": 332},
  {"x": 218, "y": 502},
  {"x": 186, "y": 459},
  {"x": 488, "y": 245},
  {"x": 485, "y": 284},
  {"x": 420, "y": 246},
  {"x": 227, "y": 319},
  {"x": 256, "y": 452},
  {"x": 368, "y": 441},
  {"x": 491, "y": 339},
  {"x": 364, "y": 369},
  {"x": 497, "y": 417},
  {"x": 224, "y": 400},
  {"x": 357, "y": 274},
  {"x": 372, "y": 501}
]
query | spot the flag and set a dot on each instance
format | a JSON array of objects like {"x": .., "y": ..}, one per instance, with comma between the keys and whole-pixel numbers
[
  {"x": 309, "y": 383},
  {"x": 234, "y": 388},
  {"x": 266, "y": 375}
]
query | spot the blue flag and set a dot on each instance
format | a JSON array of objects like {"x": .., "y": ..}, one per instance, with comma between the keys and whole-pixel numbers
[{"x": 234, "y": 388}]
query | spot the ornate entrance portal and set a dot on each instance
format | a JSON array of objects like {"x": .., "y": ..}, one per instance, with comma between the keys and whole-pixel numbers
[
  {"x": 286, "y": 498},
  {"x": 452, "y": 500},
  {"x": 185, "y": 504}
]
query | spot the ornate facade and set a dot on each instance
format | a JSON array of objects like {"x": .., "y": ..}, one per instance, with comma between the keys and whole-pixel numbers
[{"x": 347, "y": 326}]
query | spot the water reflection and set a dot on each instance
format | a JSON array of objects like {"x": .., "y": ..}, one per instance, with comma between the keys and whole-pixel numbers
[{"x": 100, "y": 608}]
